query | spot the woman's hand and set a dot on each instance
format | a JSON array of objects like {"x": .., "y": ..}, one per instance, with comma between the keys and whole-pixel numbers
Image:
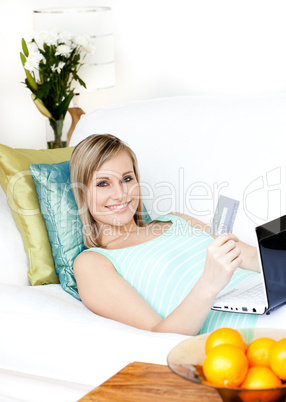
[{"x": 222, "y": 259}]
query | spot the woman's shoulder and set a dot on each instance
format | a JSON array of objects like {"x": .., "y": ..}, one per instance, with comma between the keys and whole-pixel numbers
[{"x": 90, "y": 256}]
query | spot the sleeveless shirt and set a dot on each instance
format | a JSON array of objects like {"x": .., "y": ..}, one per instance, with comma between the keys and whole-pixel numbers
[{"x": 163, "y": 270}]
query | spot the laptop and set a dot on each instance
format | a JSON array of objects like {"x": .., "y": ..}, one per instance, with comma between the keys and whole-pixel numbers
[{"x": 267, "y": 290}]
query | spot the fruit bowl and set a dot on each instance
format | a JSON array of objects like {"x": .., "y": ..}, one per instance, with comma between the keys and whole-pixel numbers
[{"x": 187, "y": 359}]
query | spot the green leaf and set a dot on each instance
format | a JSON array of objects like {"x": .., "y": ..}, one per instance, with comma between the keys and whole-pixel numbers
[
  {"x": 81, "y": 82},
  {"x": 44, "y": 90},
  {"x": 63, "y": 106},
  {"x": 25, "y": 47},
  {"x": 23, "y": 59}
]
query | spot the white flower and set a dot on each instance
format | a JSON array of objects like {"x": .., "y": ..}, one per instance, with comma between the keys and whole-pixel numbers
[
  {"x": 52, "y": 50},
  {"x": 90, "y": 47},
  {"x": 61, "y": 64},
  {"x": 51, "y": 38},
  {"x": 67, "y": 41},
  {"x": 85, "y": 42},
  {"x": 63, "y": 50},
  {"x": 33, "y": 60},
  {"x": 48, "y": 37},
  {"x": 58, "y": 68},
  {"x": 64, "y": 36}
]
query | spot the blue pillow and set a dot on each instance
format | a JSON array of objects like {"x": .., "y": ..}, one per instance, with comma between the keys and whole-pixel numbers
[{"x": 62, "y": 219}]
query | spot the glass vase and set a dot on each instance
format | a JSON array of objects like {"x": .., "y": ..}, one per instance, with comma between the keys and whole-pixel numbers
[{"x": 54, "y": 139}]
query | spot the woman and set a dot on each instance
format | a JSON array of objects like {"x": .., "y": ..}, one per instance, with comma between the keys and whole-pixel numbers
[{"x": 161, "y": 276}]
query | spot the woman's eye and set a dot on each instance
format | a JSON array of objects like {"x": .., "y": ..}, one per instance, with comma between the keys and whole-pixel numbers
[
  {"x": 127, "y": 179},
  {"x": 101, "y": 184}
]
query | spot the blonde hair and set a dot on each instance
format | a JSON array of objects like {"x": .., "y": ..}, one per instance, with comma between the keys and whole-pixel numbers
[{"x": 87, "y": 157}]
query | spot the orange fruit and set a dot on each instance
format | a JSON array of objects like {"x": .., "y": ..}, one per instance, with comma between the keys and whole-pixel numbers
[
  {"x": 277, "y": 358},
  {"x": 225, "y": 366},
  {"x": 258, "y": 352},
  {"x": 260, "y": 395},
  {"x": 260, "y": 377},
  {"x": 225, "y": 335}
]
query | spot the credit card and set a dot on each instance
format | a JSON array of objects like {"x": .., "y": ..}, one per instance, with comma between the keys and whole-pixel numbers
[{"x": 224, "y": 216}]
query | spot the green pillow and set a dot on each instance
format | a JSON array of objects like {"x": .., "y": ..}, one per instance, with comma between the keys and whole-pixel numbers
[
  {"x": 17, "y": 183},
  {"x": 63, "y": 222},
  {"x": 62, "y": 219}
]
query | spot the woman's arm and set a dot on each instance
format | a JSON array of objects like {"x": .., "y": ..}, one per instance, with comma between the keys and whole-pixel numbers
[
  {"x": 106, "y": 293},
  {"x": 249, "y": 254}
]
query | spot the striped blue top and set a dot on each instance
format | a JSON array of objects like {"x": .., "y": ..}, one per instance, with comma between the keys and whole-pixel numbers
[{"x": 164, "y": 270}]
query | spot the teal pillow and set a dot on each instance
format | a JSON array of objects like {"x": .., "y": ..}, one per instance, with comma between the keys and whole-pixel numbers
[{"x": 62, "y": 219}]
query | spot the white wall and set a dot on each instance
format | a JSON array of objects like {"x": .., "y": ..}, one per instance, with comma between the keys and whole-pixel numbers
[{"x": 163, "y": 48}]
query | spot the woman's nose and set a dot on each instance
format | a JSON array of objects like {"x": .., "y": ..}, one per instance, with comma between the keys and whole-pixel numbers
[{"x": 118, "y": 191}]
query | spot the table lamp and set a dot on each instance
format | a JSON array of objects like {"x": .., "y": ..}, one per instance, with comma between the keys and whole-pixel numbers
[{"x": 98, "y": 69}]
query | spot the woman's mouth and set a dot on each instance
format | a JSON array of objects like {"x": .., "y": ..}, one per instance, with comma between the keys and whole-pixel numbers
[{"x": 118, "y": 207}]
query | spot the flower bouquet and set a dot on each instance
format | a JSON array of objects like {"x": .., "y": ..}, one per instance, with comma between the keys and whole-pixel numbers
[{"x": 51, "y": 61}]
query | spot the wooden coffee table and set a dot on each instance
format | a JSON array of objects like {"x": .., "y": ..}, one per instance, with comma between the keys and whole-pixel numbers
[{"x": 147, "y": 382}]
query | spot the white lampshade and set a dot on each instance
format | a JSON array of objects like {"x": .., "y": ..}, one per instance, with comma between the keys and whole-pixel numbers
[{"x": 98, "y": 69}]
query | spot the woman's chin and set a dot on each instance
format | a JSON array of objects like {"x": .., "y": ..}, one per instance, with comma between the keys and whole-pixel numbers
[{"x": 121, "y": 218}]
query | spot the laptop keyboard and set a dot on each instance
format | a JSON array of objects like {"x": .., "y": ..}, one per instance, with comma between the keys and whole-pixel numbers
[{"x": 255, "y": 294}]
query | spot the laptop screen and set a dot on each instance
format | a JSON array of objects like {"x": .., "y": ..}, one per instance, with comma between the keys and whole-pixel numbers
[{"x": 272, "y": 245}]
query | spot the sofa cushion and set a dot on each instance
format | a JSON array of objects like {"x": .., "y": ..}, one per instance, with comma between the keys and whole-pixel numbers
[
  {"x": 14, "y": 261},
  {"x": 17, "y": 182},
  {"x": 62, "y": 219}
]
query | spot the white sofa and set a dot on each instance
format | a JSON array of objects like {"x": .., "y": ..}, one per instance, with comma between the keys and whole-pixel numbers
[{"x": 190, "y": 150}]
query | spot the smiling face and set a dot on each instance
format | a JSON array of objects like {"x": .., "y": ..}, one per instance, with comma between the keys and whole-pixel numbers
[{"x": 113, "y": 193}]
